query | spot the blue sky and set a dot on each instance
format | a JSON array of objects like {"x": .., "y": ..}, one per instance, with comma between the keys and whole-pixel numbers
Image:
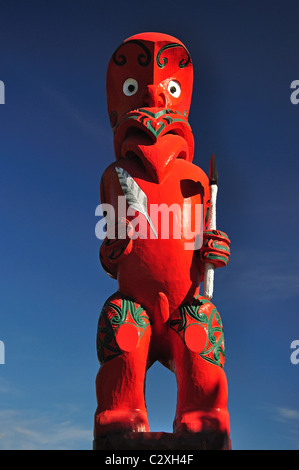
[{"x": 55, "y": 142}]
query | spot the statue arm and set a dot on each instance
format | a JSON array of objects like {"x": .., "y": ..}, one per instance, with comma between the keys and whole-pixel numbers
[
  {"x": 215, "y": 245},
  {"x": 117, "y": 242}
]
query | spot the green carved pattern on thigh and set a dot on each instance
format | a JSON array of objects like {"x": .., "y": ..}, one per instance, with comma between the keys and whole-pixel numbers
[
  {"x": 203, "y": 313},
  {"x": 118, "y": 310}
]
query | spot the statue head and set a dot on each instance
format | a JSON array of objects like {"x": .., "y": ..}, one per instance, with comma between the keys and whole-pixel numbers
[{"x": 149, "y": 90}]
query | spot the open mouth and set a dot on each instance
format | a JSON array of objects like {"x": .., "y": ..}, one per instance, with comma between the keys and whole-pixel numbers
[
  {"x": 156, "y": 138},
  {"x": 136, "y": 140},
  {"x": 155, "y": 155}
]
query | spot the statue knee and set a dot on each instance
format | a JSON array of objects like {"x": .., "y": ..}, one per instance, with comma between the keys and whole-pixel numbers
[
  {"x": 123, "y": 327},
  {"x": 199, "y": 325}
]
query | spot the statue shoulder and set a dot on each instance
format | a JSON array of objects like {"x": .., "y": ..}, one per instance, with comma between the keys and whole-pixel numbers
[
  {"x": 108, "y": 181},
  {"x": 194, "y": 171},
  {"x": 199, "y": 173}
]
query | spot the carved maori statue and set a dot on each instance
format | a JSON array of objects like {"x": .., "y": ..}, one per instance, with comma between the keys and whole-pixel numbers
[{"x": 161, "y": 244}]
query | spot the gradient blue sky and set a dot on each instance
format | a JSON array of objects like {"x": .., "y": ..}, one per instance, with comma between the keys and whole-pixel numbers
[{"x": 55, "y": 142}]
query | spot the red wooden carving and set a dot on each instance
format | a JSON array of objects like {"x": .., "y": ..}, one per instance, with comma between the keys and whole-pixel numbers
[{"x": 154, "y": 249}]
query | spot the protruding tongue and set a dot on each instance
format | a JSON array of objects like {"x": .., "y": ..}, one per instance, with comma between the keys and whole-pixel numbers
[{"x": 157, "y": 157}]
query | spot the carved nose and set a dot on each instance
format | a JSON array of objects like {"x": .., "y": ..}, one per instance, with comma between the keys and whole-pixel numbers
[{"x": 154, "y": 97}]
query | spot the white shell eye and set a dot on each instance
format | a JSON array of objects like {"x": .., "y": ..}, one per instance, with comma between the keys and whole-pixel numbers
[
  {"x": 174, "y": 88},
  {"x": 130, "y": 86}
]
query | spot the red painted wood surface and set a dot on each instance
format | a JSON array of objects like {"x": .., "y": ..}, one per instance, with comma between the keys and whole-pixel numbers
[{"x": 157, "y": 313}]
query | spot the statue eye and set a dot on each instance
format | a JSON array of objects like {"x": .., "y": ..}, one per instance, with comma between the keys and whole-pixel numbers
[
  {"x": 130, "y": 87},
  {"x": 174, "y": 88}
]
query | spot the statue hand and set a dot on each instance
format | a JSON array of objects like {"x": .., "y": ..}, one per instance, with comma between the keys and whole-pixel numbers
[
  {"x": 117, "y": 244},
  {"x": 215, "y": 248}
]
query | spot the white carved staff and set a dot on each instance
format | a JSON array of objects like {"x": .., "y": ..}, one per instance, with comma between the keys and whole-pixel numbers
[{"x": 209, "y": 268}]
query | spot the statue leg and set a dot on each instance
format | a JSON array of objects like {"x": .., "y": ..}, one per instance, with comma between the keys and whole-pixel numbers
[
  {"x": 123, "y": 339},
  {"x": 198, "y": 352}
]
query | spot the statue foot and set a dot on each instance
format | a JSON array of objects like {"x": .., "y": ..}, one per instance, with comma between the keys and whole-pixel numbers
[
  {"x": 205, "y": 420},
  {"x": 120, "y": 421}
]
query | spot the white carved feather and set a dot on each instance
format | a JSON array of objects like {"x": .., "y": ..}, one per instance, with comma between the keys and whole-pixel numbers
[{"x": 136, "y": 198}]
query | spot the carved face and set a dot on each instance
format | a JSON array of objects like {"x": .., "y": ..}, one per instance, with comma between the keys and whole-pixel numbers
[{"x": 149, "y": 89}]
